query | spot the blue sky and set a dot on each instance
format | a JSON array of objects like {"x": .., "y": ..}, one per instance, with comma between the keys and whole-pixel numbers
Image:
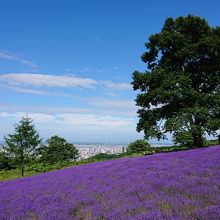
[{"x": 68, "y": 64}]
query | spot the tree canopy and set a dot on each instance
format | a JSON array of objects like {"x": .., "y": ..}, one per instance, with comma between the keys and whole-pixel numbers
[
  {"x": 23, "y": 142},
  {"x": 180, "y": 90},
  {"x": 138, "y": 146},
  {"x": 58, "y": 149}
]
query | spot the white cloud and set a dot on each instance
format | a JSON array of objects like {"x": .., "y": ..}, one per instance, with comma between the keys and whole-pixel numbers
[
  {"x": 83, "y": 127},
  {"x": 21, "y": 89},
  {"x": 74, "y": 119},
  {"x": 4, "y": 114},
  {"x": 115, "y": 105},
  {"x": 39, "y": 117},
  {"x": 6, "y": 55},
  {"x": 40, "y": 80},
  {"x": 57, "y": 81},
  {"x": 26, "y": 90},
  {"x": 51, "y": 110},
  {"x": 84, "y": 69},
  {"x": 116, "y": 86},
  {"x": 117, "y": 108},
  {"x": 94, "y": 120}
]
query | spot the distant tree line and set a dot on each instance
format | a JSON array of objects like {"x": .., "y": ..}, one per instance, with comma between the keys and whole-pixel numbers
[
  {"x": 25, "y": 146},
  {"x": 24, "y": 150}
]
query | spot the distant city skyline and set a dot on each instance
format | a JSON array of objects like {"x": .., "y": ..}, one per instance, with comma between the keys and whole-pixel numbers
[{"x": 68, "y": 64}]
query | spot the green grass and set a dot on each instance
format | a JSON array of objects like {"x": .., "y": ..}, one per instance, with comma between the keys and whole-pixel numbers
[
  {"x": 37, "y": 168},
  {"x": 9, "y": 174}
]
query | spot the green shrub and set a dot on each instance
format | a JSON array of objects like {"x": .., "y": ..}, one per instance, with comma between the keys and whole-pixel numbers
[
  {"x": 138, "y": 146},
  {"x": 6, "y": 163},
  {"x": 211, "y": 142},
  {"x": 183, "y": 138},
  {"x": 169, "y": 148},
  {"x": 105, "y": 156},
  {"x": 57, "y": 149}
]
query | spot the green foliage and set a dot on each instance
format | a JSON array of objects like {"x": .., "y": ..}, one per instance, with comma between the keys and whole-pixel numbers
[
  {"x": 138, "y": 146},
  {"x": 22, "y": 143},
  {"x": 167, "y": 149},
  {"x": 45, "y": 167},
  {"x": 9, "y": 174},
  {"x": 105, "y": 156},
  {"x": 36, "y": 168},
  {"x": 57, "y": 149},
  {"x": 5, "y": 161},
  {"x": 183, "y": 138},
  {"x": 211, "y": 142},
  {"x": 123, "y": 150},
  {"x": 180, "y": 91}
]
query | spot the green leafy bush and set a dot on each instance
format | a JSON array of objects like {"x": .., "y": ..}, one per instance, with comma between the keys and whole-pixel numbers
[
  {"x": 183, "y": 138},
  {"x": 105, "y": 156},
  {"x": 139, "y": 146},
  {"x": 170, "y": 149},
  {"x": 5, "y": 161},
  {"x": 211, "y": 142},
  {"x": 57, "y": 149}
]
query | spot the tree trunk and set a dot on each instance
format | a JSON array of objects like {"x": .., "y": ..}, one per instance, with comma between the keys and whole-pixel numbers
[
  {"x": 197, "y": 133},
  {"x": 219, "y": 139},
  {"x": 22, "y": 169},
  {"x": 197, "y": 139},
  {"x": 22, "y": 163}
]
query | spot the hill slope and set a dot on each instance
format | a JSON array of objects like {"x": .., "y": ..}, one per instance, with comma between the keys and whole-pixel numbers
[{"x": 178, "y": 185}]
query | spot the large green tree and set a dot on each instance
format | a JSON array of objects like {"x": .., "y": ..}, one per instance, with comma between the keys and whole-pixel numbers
[
  {"x": 180, "y": 90},
  {"x": 23, "y": 142},
  {"x": 57, "y": 149}
]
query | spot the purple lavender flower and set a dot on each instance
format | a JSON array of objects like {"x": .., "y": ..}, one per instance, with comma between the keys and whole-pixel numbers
[{"x": 174, "y": 186}]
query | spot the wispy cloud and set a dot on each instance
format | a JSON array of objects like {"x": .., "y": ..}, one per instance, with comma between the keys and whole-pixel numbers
[
  {"x": 24, "y": 80},
  {"x": 76, "y": 127},
  {"x": 26, "y": 90},
  {"x": 44, "y": 80},
  {"x": 7, "y": 55},
  {"x": 44, "y": 109},
  {"x": 94, "y": 106},
  {"x": 38, "y": 117},
  {"x": 74, "y": 119},
  {"x": 118, "y": 86},
  {"x": 95, "y": 120},
  {"x": 118, "y": 105},
  {"x": 5, "y": 114},
  {"x": 84, "y": 69}
]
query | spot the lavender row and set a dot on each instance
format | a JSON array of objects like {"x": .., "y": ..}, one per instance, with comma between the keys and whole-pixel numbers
[{"x": 174, "y": 186}]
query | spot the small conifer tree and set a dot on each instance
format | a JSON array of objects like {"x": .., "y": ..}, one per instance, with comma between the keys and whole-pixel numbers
[{"x": 22, "y": 143}]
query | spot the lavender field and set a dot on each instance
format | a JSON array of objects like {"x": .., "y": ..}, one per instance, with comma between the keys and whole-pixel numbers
[{"x": 178, "y": 185}]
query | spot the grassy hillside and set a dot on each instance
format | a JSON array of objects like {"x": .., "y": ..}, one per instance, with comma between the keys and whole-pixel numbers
[{"x": 177, "y": 185}]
